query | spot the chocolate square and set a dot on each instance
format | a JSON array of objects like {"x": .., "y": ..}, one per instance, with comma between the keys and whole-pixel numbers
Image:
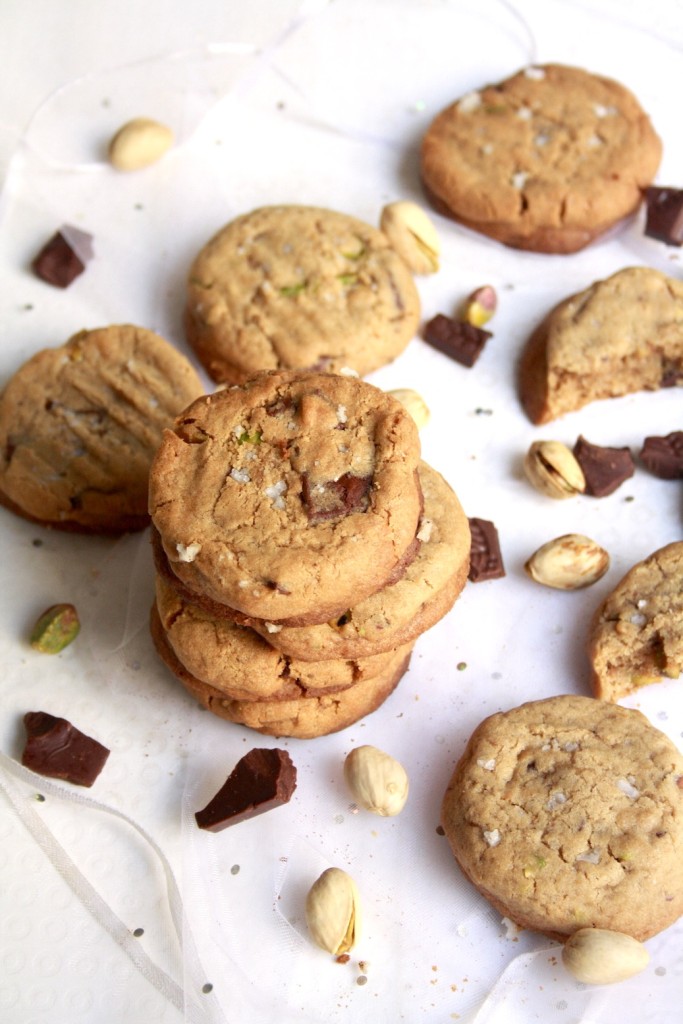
[
  {"x": 663, "y": 456},
  {"x": 64, "y": 257},
  {"x": 57, "y": 749},
  {"x": 664, "y": 214},
  {"x": 455, "y": 338},
  {"x": 486, "y": 560},
  {"x": 260, "y": 780},
  {"x": 604, "y": 469}
]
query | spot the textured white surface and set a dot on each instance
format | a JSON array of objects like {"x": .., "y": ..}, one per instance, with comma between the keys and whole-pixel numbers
[{"x": 329, "y": 114}]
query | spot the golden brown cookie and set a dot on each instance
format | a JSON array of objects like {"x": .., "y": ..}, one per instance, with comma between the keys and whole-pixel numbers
[
  {"x": 298, "y": 287},
  {"x": 546, "y": 160},
  {"x": 399, "y": 613},
  {"x": 620, "y": 335},
  {"x": 636, "y": 637},
  {"x": 241, "y": 664},
  {"x": 305, "y": 717},
  {"x": 289, "y": 497},
  {"x": 567, "y": 813},
  {"x": 79, "y": 425}
]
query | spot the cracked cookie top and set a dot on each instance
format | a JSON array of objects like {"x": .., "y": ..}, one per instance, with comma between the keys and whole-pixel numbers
[
  {"x": 546, "y": 160},
  {"x": 80, "y": 423},
  {"x": 298, "y": 287},
  {"x": 289, "y": 497},
  {"x": 568, "y": 813}
]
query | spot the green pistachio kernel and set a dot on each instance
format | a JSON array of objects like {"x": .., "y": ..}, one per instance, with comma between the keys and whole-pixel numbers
[
  {"x": 355, "y": 255},
  {"x": 247, "y": 438},
  {"x": 291, "y": 290},
  {"x": 348, "y": 279},
  {"x": 56, "y": 628}
]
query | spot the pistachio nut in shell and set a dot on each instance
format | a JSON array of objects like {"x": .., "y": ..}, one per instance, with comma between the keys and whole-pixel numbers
[
  {"x": 333, "y": 911},
  {"x": 568, "y": 562},
  {"x": 598, "y": 956},
  {"x": 413, "y": 403},
  {"x": 480, "y": 306},
  {"x": 412, "y": 234},
  {"x": 377, "y": 781},
  {"x": 553, "y": 469},
  {"x": 139, "y": 143},
  {"x": 55, "y": 629}
]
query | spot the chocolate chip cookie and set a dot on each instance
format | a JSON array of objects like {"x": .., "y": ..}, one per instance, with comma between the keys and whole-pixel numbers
[
  {"x": 399, "y": 613},
  {"x": 547, "y": 160},
  {"x": 567, "y": 813},
  {"x": 80, "y": 423},
  {"x": 620, "y": 335},
  {"x": 298, "y": 287},
  {"x": 636, "y": 637},
  {"x": 289, "y": 498}
]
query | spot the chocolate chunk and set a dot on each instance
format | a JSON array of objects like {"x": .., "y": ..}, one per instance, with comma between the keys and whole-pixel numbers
[
  {"x": 663, "y": 456},
  {"x": 332, "y": 498},
  {"x": 56, "y": 748},
  {"x": 672, "y": 374},
  {"x": 260, "y": 780},
  {"x": 605, "y": 469},
  {"x": 455, "y": 338},
  {"x": 486, "y": 560},
  {"x": 64, "y": 257},
  {"x": 664, "y": 214}
]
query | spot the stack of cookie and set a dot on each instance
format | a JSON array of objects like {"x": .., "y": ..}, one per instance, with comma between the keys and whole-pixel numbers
[{"x": 301, "y": 547}]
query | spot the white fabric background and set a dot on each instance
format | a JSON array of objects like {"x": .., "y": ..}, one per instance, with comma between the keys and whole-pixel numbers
[{"x": 321, "y": 104}]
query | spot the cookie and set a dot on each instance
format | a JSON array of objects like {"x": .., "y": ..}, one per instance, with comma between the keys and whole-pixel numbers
[
  {"x": 290, "y": 497},
  {"x": 399, "y": 613},
  {"x": 547, "y": 160},
  {"x": 298, "y": 287},
  {"x": 305, "y": 717},
  {"x": 241, "y": 664},
  {"x": 621, "y": 335},
  {"x": 80, "y": 423},
  {"x": 567, "y": 813},
  {"x": 636, "y": 636}
]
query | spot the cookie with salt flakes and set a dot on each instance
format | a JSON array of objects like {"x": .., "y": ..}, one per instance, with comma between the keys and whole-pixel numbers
[
  {"x": 636, "y": 636},
  {"x": 298, "y": 287},
  {"x": 290, "y": 497},
  {"x": 620, "y": 335},
  {"x": 567, "y": 813},
  {"x": 547, "y": 160}
]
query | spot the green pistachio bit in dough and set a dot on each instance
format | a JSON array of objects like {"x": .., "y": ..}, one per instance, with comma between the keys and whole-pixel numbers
[
  {"x": 348, "y": 279},
  {"x": 291, "y": 290},
  {"x": 355, "y": 255},
  {"x": 246, "y": 438},
  {"x": 56, "y": 628}
]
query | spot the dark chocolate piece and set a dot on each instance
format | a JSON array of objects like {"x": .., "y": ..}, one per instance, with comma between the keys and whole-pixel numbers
[
  {"x": 332, "y": 498},
  {"x": 486, "y": 560},
  {"x": 663, "y": 456},
  {"x": 455, "y": 338},
  {"x": 664, "y": 214},
  {"x": 64, "y": 257},
  {"x": 56, "y": 748},
  {"x": 604, "y": 469},
  {"x": 260, "y": 780}
]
